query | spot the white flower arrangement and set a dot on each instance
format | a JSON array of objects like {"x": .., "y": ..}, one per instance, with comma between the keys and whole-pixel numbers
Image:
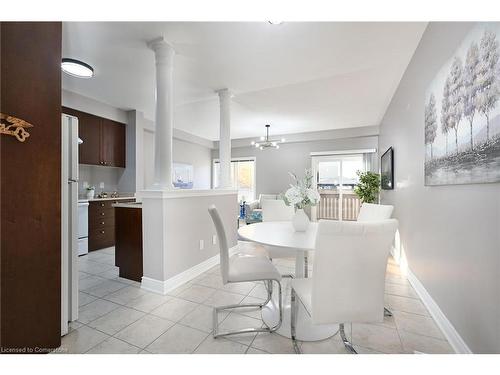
[{"x": 301, "y": 194}]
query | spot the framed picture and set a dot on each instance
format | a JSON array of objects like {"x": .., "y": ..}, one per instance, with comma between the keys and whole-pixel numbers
[
  {"x": 182, "y": 176},
  {"x": 462, "y": 113},
  {"x": 387, "y": 170}
]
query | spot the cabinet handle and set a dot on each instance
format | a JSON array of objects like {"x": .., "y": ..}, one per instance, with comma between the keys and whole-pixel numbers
[
  {"x": 102, "y": 231},
  {"x": 102, "y": 204},
  {"x": 102, "y": 213},
  {"x": 102, "y": 222}
]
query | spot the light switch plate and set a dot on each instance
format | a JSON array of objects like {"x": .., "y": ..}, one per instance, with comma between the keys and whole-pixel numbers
[
  {"x": 202, "y": 244},
  {"x": 214, "y": 239},
  {"x": 101, "y": 185}
]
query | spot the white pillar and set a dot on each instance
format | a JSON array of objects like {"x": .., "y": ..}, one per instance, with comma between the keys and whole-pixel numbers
[
  {"x": 225, "y": 138},
  {"x": 164, "y": 56}
]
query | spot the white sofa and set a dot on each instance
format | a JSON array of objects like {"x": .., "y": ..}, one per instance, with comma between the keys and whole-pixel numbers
[{"x": 256, "y": 205}]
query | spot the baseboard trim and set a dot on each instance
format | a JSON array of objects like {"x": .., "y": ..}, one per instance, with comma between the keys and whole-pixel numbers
[
  {"x": 163, "y": 287},
  {"x": 451, "y": 334}
]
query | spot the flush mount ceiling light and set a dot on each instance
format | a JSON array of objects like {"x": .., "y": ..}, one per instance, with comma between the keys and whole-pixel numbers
[
  {"x": 266, "y": 142},
  {"x": 77, "y": 68}
]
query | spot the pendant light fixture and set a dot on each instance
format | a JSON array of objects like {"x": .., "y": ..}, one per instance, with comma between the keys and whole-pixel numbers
[
  {"x": 77, "y": 68},
  {"x": 266, "y": 142}
]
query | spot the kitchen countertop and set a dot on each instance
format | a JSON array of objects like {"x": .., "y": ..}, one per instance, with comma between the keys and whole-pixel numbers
[
  {"x": 128, "y": 205},
  {"x": 106, "y": 199}
]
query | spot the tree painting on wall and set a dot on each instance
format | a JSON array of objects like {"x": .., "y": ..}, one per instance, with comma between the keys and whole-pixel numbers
[{"x": 462, "y": 113}]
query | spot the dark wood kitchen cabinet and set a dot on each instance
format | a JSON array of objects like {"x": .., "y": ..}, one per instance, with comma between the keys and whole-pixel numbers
[
  {"x": 102, "y": 223},
  {"x": 103, "y": 139},
  {"x": 113, "y": 143},
  {"x": 128, "y": 246}
]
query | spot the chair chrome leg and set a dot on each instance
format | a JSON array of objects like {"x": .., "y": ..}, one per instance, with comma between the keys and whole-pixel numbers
[
  {"x": 346, "y": 342},
  {"x": 387, "y": 312},
  {"x": 258, "y": 305},
  {"x": 293, "y": 321}
]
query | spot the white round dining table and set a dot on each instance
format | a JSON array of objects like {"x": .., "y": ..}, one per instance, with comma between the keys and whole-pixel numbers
[{"x": 282, "y": 234}]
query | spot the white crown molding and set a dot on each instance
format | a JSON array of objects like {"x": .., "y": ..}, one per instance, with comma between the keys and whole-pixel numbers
[{"x": 344, "y": 152}]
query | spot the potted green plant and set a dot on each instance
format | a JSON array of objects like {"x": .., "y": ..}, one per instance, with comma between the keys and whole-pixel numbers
[
  {"x": 369, "y": 187},
  {"x": 90, "y": 192}
]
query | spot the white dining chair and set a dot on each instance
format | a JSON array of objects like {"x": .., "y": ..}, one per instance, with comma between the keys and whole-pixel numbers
[
  {"x": 348, "y": 282},
  {"x": 375, "y": 212},
  {"x": 277, "y": 210},
  {"x": 244, "y": 268}
]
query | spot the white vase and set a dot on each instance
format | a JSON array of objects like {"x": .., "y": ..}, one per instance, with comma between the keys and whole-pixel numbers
[
  {"x": 300, "y": 220},
  {"x": 90, "y": 194}
]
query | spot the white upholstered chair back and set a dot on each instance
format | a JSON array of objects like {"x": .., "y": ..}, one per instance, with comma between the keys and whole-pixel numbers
[
  {"x": 375, "y": 212},
  {"x": 276, "y": 210},
  {"x": 223, "y": 246},
  {"x": 349, "y": 271}
]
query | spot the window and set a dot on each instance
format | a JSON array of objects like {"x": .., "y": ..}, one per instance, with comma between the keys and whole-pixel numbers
[
  {"x": 242, "y": 177},
  {"x": 336, "y": 178},
  {"x": 339, "y": 172}
]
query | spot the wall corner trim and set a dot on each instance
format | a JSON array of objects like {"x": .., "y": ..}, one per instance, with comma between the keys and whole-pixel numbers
[
  {"x": 163, "y": 287},
  {"x": 451, "y": 334}
]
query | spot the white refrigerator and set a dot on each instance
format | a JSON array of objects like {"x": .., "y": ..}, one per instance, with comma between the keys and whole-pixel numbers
[{"x": 69, "y": 222}]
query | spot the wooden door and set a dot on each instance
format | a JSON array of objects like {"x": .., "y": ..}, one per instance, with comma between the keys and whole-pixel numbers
[
  {"x": 112, "y": 143},
  {"x": 30, "y": 176}
]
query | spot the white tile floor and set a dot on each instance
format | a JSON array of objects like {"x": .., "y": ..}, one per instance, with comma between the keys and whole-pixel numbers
[{"x": 116, "y": 316}]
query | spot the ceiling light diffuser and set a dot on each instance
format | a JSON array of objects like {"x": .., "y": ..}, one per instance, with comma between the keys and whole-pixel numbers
[{"x": 77, "y": 68}]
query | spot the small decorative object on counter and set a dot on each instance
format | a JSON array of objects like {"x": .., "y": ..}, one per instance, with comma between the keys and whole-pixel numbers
[
  {"x": 103, "y": 194},
  {"x": 301, "y": 194},
  {"x": 90, "y": 192},
  {"x": 115, "y": 194}
]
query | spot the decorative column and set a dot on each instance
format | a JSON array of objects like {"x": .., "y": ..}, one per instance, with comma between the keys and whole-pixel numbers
[
  {"x": 154, "y": 198},
  {"x": 164, "y": 57},
  {"x": 225, "y": 138}
]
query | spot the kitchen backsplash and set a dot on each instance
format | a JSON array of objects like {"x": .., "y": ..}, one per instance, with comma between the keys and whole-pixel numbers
[{"x": 96, "y": 176}]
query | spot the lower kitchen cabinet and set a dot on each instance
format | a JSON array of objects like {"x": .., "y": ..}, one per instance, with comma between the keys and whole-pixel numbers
[{"x": 102, "y": 223}]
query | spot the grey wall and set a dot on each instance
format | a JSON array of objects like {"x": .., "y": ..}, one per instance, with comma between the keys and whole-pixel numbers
[
  {"x": 197, "y": 155},
  {"x": 450, "y": 234},
  {"x": 186, "y": 148},
  {"x": 272, "y": 166}
]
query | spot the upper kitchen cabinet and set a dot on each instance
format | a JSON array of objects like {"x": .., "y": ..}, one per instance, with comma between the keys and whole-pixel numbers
[
  {"x": 89, "y": 130},
  {"x": 113, "y": 143},
  {"x": 103, "y": 140}
]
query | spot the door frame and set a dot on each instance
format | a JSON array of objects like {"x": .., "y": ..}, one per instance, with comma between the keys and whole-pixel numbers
[
  {"x": 69, "y": 227},
  {"x": 318, "y": 156},
  {"x": 315, "y": 160}
]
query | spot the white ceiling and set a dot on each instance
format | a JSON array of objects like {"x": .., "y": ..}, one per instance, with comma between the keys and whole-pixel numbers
[{"x": 298, "y": 77}]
